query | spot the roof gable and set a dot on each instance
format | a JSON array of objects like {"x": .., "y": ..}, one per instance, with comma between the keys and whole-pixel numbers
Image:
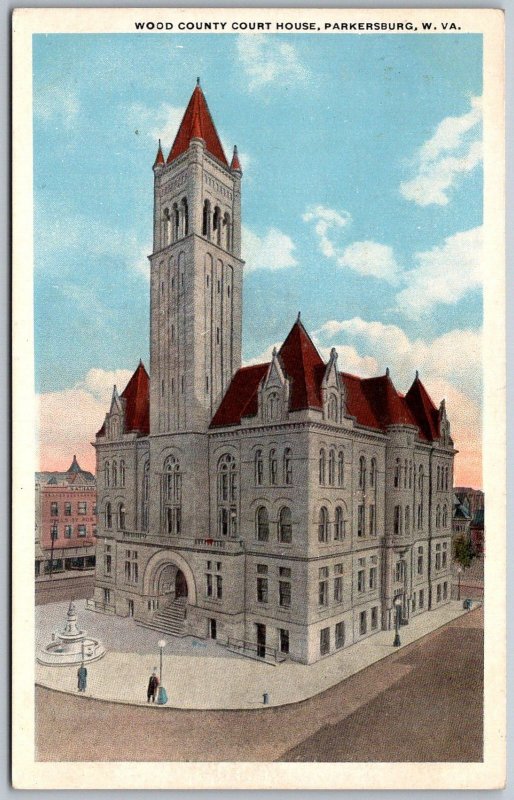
[{"x": 303, "y": 365}]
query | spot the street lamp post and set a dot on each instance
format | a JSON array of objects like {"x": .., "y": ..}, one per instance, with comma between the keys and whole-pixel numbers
[
  {"x": 459, "y": 573},
  {"x": 162, "y": 697},
  {"x": 397, "y": 610}
]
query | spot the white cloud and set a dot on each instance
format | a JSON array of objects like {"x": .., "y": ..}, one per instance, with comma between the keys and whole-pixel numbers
[
  {"x": 69, "y": 419},
  {"x": 327, "y": 223},
  {"x": 272, "y": 251},
  {"x": 57, "y": 103},
  {"x": 370, "y": 258},
  {"x": 444, "y": 274},
  {"x": 264, "y": 357},
  {"x": 266, "y": 60},
  {"x": 454, "y": 149}
]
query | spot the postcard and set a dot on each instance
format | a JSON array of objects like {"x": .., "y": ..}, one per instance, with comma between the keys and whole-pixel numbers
[{"x": 259, "y": 399}]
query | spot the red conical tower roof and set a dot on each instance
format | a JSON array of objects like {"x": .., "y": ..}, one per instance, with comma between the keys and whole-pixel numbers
[
  {"x": 159, "y": 158},
  {"x": 197, "y": 124},
  {"x": 137, "y": 401},
  {"x": 234, "y": 164}
]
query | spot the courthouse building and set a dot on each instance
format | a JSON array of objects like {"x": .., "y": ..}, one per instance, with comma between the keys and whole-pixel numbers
[{"x": 280, "y": 508}]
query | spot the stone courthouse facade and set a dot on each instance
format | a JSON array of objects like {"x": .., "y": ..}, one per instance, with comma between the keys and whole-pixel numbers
[{"x": 279, "y": 508}]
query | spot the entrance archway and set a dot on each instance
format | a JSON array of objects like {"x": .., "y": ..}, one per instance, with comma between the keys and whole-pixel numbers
[{"x": 168, "y": 576}]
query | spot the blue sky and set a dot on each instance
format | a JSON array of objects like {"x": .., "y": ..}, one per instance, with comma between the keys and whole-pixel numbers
[{"x": 362, "y": 195}]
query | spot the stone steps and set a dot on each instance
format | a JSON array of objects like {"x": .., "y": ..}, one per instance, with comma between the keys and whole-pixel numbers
[{"x": 170, "y": 620}]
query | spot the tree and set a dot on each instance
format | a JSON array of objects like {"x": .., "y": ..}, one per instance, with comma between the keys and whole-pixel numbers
[{"x": 463, "y": 551}]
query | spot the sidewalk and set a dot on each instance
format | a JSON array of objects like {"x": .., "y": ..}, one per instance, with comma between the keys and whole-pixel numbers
[{"x": 203, "y": 675}]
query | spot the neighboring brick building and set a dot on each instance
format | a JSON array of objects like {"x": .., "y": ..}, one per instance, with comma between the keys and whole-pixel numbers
[
  {"x": 280, "y": 507},
  {"x": 65, "y": 520}
]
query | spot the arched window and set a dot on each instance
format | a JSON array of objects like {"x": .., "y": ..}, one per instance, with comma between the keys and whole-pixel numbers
[
  {"x": 445, "y": 516},
  {"x": 185, "y": 216},
  {"x": 122, "y": 474},
  {"x": 175, "y": 222},
  {"x": 259, "y": 468},
  {"x": 339, "y": 530},
  {"x": 227, "y": 496},
  {"x": 206, "y": 223},
  {"x": 438, "y": 478},
  {"x": 362, "y": 473},
  {"x": 373, "y": 474},
  {"x": 438, "y": 517},
  {"x": 145, "y": 496},
  {"x": 172, "y": 497},
  {"x": 216, "y": 225},
  {"x": 407, "y": 519},
  {"x": 323, "y": 525},
  {"x": 273, "y": 407},
  {"x": 410, "y": 474},
  {"x": 121, "y": 517},
  {"x": 420, "y": 479},
  {"x": 228, "y": 231},
  {"x": 285, "y": 530},
  {"x": 405, "y": 471},
  {"x": 331, "y": 467},
  {"x": 166, "y": 227},
  {"x": 397, "y": 476},
  {"x": 288, "y": 467},
  {"x": 340, "y": 468},
  {"x": 446, "y": 478},
  {"x": 114, "y": 473},
  {"x": 108, "y": 516},
  {"x": 273, "y": 467},
  {"x": 262, "y": 524},
  {"x": 107, "y": 472},
  {"x": 332, "y": 408},
  {"x": 322, "y": 467},
  {"x": 420, "y": 515}
]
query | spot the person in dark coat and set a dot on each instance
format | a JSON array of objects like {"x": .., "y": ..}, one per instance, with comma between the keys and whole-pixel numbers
[
  {"x": 82, "y": 678},
  {"x": 153, "y": 683}
]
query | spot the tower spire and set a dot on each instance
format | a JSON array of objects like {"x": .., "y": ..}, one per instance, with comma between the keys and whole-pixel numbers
[
  {"x": 235, "y": 166},
  {"x": 159, "y": 158},
  {"x": 197, "y": 124}
]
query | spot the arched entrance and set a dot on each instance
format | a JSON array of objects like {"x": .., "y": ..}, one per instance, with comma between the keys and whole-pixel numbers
[
  {"x": 170, "y": 584},
  {"x": 180, "y": 584},
  {"x": 168, "y": 577}
]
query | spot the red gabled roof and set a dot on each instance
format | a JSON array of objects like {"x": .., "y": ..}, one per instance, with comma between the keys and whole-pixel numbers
[
  {"x": 373, "y": 402},
  {"x": 197, "y": 123},
  {"x": 304, "y": 366},
  {"x": 137, "y": 401},
  {"x": 241, "y": 396},
  {"x": 423, "y": 410}
]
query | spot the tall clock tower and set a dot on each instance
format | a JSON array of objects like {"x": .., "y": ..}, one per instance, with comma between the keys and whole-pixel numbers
[{"x": 196, "y": 275}]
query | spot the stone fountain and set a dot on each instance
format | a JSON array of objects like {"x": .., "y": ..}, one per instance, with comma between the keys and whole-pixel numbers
[{"x": 71, "y": 645}]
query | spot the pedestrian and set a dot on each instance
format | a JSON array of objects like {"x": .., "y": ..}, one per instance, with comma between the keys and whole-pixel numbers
[
  {"x": 82, "y": 678},
  {"x": 153, "y": 683}
]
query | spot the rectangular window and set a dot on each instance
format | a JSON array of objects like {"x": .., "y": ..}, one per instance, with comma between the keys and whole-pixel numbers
[
  {"x": 361, "y": 581},
  {"x": 54, "y": 533},
  {"x": 284, "y": 594},
  {"x": 360, "y": 521},
  {"x": 324, "y": 641},
  {"x": 67, "y": 509},
  {"x": 219, "y": 587},
  {"x": 284, "y": 641},
  {"x": 82, "y": 530},
  {"x": 373, "y": 578},
  {"x": 262, "y": 590},
  {"x": 397, "y": 518},
  {"x": 438, "y": 592},
  {"x": 420, "y": 561},
  {"x": 284, "y": 572},
  {"x": 445, "y": 590},
  {"x": 372, "y": 525},
  {"x": 363, "y": 624},
  {"x": 374, "y": 618},
  {"x": 339, "y": 635},
  {"x": 421, "y": 598},
  {"x": 208, "y": 579},
  {"x": 54, "y": 510},
  {"x": 107, "y": 564},
  {"x": 82, "y": 507},
  {"x": 413, "y": 602},
  {"x": 445, "y": 558},
  {"x": 67, "y": 531},
  {"x": 323, "y": 587},
  {"x": 262, "y": 569},
  {"x": 438, "y": 560},
  {"x": 107, "y": 595},
  {"x": 338, "y": 590}
]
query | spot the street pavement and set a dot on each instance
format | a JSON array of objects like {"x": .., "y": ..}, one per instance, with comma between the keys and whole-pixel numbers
[
  {"x": 195, "y": 671},
  {"x": 422, "y": 703}
]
